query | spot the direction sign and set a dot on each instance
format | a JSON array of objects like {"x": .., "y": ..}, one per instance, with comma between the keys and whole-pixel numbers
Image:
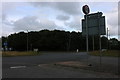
[{"x": 95, "y": 24}]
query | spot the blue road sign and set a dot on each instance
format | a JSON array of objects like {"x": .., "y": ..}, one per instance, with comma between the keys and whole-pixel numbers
[{"x": 5, "y": 43}]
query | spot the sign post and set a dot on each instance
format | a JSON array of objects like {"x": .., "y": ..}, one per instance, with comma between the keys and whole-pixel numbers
[
  {"x": 86, "y": 11},
  {"x": 93, "y": 24},
  {"x": 93, "y": 41},
  {"x": 99, "y": 36},
  {"x": 87, "y": 44}
]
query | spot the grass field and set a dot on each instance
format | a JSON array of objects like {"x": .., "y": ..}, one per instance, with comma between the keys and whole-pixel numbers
[
  {"x": 112, "y": 53},
  {"x": 17, "y": 53}
]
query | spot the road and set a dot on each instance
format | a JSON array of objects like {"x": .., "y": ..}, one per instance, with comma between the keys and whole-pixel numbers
[
  {"x": 41, "y": 66},
  {"x": 42, "y": 59}
]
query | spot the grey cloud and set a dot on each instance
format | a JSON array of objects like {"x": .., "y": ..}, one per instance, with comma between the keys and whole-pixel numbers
[
  {"x": 113, "y": 31},
  {"x": 5, "y": 21},
  {"x": 62, "y": 17},
  {"x": 71, "y": 8},
  {"x": 33, "y": 23},
  {"x": 75, "y": 23},
  {"x": 119, "y": 20},
  {"x": 25, "y": 23},
  {"x": 3, "y": 17},
  {"x": 43, "y": 4},
  {"x": 112, "y": 18},
  {"x": 112, "y": 21},
  {"x": 8, "y": 6}
]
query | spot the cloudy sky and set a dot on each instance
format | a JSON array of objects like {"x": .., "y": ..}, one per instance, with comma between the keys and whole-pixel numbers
[{"x": 35, "y": 16}]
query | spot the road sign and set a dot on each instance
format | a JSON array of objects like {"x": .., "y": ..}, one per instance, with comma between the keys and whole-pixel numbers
[
  {"x": 95, "y": 24},
  {"x": 94, "y": 15},
  {"x": 86, "y": 9},
  {"x": 5, "y": 43}
]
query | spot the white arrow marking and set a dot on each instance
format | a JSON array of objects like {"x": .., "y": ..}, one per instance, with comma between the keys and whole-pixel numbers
[{"x": 17, "y": 67}]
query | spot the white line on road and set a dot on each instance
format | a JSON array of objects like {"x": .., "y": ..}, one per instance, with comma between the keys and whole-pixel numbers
[{"x": 17, "y": 67}]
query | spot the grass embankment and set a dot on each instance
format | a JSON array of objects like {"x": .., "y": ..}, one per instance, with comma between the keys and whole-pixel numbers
[
  {"x": 17, "y": 53},
  {"x": 111, "y": 53}
]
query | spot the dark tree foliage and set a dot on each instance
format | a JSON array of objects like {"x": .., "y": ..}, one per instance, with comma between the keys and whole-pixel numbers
[
  {"x": 114, "y": 44},
  {"x": 55, "y": 40},
  {"x": 104, "y": 43}
]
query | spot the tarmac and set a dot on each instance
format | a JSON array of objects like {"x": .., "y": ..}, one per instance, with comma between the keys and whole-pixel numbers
[{"x": 60, "y": 65}]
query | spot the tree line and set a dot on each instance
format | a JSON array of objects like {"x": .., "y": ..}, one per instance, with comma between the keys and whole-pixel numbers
[{"x": 56, "y": 40}]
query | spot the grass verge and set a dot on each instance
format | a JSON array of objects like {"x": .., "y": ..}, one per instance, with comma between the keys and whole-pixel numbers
[
  {"x": 111, "y": 53},
  {"x": 17, "y": 53}
]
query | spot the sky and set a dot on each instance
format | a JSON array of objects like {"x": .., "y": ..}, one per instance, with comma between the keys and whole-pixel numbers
[{"x": 35, "y": 16}]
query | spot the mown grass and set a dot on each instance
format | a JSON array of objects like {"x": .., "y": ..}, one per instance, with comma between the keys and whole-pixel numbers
[
  {"x": 110, "y": 53},
  {"x": 17, "y": 53}
]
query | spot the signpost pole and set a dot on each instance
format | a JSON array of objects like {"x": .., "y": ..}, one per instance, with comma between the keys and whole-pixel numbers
[
  {"x": 99, "y": 36},
  {"x": 87, "y": 44},
  {"x": 86, "y": 11},
  {"x": 93, "y": 42},
  {"x": 100, "y": 48},
  {"x": 86, "y": 35}
]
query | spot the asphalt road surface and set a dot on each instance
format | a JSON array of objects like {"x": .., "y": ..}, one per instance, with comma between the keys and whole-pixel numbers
[{"x": 41, "y": 66}]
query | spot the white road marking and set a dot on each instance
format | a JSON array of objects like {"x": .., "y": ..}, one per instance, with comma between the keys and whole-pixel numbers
[{"x": 17, "y": 67}]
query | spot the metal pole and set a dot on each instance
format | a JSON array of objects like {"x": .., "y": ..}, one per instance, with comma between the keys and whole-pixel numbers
[
  {"x": 93, "y": 42},
  {"x": 87, "y": 40},
  {"x": 107, "y": 40},
  {"x": 6, "y": 46},
  {"x": 86, "y": 35},
  {"x": 99, "y": 36},
  {"x": 107, "y": 32},
  {"x": 100, "y": 48},
  {"x": 31, "y": 46}
]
